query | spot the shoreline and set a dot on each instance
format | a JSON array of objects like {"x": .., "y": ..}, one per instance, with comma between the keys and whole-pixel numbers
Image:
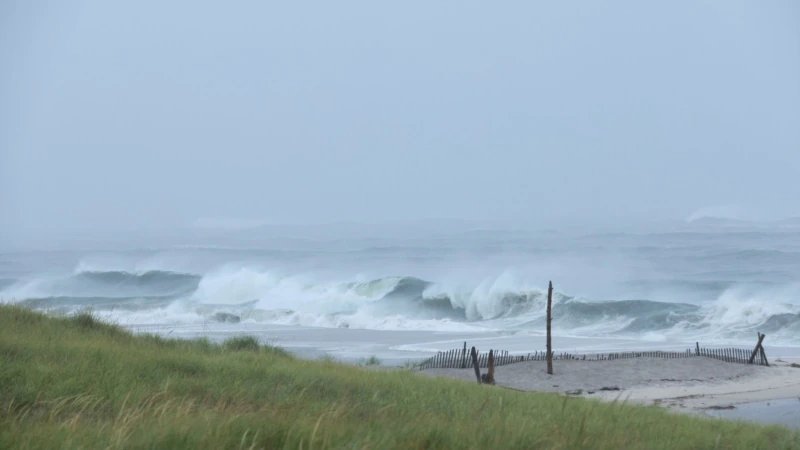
[
  {"x": 781, "y": 411},
  {"x": 778, "y": 381},
  {"x": 396, "y": 347},
  {"x": 698, "y": 386}
]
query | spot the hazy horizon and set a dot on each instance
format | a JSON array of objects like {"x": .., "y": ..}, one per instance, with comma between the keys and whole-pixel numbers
[{"x": 172, "y": 116}]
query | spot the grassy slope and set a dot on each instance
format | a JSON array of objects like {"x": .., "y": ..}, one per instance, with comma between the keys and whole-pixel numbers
[{"x": 75, "y": 382}]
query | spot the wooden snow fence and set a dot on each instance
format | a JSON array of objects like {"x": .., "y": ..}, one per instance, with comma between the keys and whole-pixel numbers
[{"x": 461, "y": 359}]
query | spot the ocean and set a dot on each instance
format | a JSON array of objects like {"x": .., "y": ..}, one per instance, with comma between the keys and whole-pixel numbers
[{"x": 404, "y": 296}]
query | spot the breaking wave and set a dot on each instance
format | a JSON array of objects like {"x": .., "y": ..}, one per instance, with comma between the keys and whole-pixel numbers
[{"x": 405, "y": 302}]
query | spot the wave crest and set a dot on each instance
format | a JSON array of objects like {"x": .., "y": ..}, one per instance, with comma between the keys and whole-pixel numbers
[{"x": 505, "y": 302}]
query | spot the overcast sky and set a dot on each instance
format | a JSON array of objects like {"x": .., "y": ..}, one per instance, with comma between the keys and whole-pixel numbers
[{"x": 162, "y": 114}]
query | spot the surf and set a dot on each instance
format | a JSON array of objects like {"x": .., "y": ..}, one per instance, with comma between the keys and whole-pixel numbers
[{"x": 504, "y": 302}]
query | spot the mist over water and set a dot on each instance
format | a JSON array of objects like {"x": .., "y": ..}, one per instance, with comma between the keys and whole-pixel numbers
[
  {"x": 172, "y": 170},
  {"x": 711, "y": 283}
]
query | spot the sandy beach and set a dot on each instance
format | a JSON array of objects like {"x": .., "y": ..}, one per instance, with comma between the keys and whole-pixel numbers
[{"x": 692, "y": 385}]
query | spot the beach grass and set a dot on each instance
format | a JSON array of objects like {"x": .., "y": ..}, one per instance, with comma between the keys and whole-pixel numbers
[{"x": 77, "y": 382}]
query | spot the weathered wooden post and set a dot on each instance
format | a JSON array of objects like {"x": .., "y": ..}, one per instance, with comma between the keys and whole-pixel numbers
[
  {"x": 758, "y": 346},
  {"x": 697, "y": 348},
  {"x": 464, "y": 356},
  {"x": 549, "y": 340},
  {"x": 488, "y": 377},
  {"x": 475, "y": 365}
]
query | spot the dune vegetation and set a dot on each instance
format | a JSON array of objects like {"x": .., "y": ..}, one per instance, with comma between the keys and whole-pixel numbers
[{"x": 78, "y": 382}]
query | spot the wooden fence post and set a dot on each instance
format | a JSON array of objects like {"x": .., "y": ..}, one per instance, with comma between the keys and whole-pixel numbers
[
  {"x": 549, "y": 341},
  {"x": 488, "y": 377},
  {"x": 758, "y": 346},
  {"x": 475, "y": 365}
]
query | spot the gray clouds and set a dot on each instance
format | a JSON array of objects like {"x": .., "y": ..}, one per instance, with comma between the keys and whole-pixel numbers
[{"x": 157, "y": 114}]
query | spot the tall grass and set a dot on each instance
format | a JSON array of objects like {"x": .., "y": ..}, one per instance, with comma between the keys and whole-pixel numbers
[{"x": 77, "y": 382}]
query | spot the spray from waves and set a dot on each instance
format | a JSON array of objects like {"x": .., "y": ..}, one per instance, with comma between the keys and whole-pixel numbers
[
  {"x": 504, "y": 302},
  {"x": 735, "y": 315}
]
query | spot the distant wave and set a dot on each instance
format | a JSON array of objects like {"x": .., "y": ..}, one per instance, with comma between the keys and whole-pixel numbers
[
  {"x": 718, "y": 214},
  {"x": 6, "y": 282},
  {"x": 68, "y": 303},
  {"x": 755, "y": 256},
  {"x": 151, "y": 277},
  {"x": 96, "y": 284}
]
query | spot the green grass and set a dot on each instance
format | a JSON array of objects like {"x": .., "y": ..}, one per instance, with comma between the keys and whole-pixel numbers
[
  {"x": 77, "y": 382},
  {"x": 371, "y": 361}
]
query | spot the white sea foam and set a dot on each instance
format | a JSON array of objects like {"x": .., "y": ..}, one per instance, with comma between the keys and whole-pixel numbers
[{"x": 460, "y": 293}]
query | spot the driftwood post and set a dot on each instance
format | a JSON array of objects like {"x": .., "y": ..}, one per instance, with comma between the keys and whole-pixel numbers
[
  {"x": 697, "y": 348},
  {"x": 475, "y": 365},
  {"x": 549, "y": 341},
  {"x": 464, "y": 356},
  {"x": 758, "y": 346},
  {"x": 488, "y": 377}
]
